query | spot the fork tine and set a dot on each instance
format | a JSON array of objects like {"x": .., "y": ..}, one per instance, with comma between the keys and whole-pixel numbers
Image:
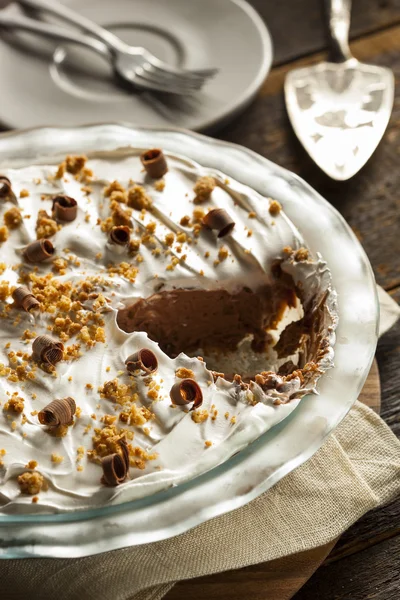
[
  {"x": 155, "y": 85},
  {"x": 150, "y": 74},
  {"x": 196, "y": 74},
  {"x": 155, "y": 71}
]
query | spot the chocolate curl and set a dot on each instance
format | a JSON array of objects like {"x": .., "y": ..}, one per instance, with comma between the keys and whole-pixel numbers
[
  {"x": 154, "y": 162},
  {"x": 125, "y": 452},
  {"x": 65, "y": 208},
  {"x": 38, "y": 251},
  {"x": 24, "y": 299},
  {"x": 144, "y": 359},
  {"x": 58, "y": 412},
  {"x": 219, "y": 220},
  {"x": 120, "y": 235},
  {"x": 186, "y": 391},
  {"x": 47, "y": 350},
  {"x": 5, "y": 186},
  {"x": 115, "y": 466}
]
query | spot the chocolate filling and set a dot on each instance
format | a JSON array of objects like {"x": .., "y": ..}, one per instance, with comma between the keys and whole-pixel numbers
[{"x": 184, "y": 320}]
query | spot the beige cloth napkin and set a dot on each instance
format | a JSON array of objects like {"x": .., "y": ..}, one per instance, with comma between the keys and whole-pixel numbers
[{"x": 357, "y": 469}]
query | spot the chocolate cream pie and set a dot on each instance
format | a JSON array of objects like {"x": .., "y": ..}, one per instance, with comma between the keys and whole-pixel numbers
[{"x": 156, "y": 318}]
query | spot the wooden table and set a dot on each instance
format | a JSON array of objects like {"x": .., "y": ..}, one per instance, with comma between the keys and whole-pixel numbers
[{"x": 365, "y": 562}]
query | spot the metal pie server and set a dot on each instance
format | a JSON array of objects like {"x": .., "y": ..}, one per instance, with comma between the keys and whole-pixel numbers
[{"x": 340, "y": 110}]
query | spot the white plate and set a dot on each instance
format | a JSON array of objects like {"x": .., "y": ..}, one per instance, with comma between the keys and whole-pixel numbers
[
  {"x": 280, "y": 450},
  {"x": 39, "y": 87}
]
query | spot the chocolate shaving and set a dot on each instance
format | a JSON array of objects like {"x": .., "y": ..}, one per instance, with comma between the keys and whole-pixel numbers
[
  {"x": 38, "y": 251},
  {"x": 125, "y": 452},
  {"x": 46, "y": 349},
  {"x": 120, "y": 235},
  {"x": 5, "y": 186},
  {"x": 154, "y": 162},
  {"x": 24, "y": 299},
  {"x": 115, "y": 466},
  {"x": 58, "y": 412},
  {"x": 186, "y": 391},
  {"x": 65, "y": 208},
  {"x": 144, "y": 359},
  {"x": 219, "y": 220}
]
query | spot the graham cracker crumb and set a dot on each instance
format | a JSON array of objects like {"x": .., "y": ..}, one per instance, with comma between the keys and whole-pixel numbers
[
  {"x": 275, "y": 208},
  {"x": 137, "y": 198},
  {"x": 203, "y": 188},
  {"x": 106, "y": 441},
  {"x": 200, "y": 416},
  {"x": 159, "y": 185},
  {"x": 125, "y": 270},
  {"x": 198, "y": 215},
  {"x": 169, "y": 239},
  {"x": 223, "y": 253},
  {"x": 136, "y": 415},
  {"x": 108, "y": 419},
  {"x": 114, "y": 186},
  {"x": 75, "y": 164},
  {"x": 4, "y": 234},
  {"x": 185, "y": 221},
  {"x": 183, "y": 373},
  {"x": 181, "y": 237},
  {"x": 12, "y": 218},
  {"x": 57, "y": 458},
  {"x": 117, "y": 392},
  {"x": 31, "y": 483},
  {"x": 45, "y": 226},
  {"x": 15, "y": 404},
  {"x": 301, "y": 254},
  {"x": 24, "y": 193},
  {"x": 208, "y": 443}
]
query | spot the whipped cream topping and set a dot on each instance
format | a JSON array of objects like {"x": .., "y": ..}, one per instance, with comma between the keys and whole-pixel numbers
[{"x": 177, "y": 444}]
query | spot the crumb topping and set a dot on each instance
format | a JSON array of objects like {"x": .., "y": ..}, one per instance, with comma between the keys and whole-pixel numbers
[
  {"x": 12, "y": 218},
  {"x": 275, "y": 208},
  {"x": 301, "y": 254},
  {"x": 203, "y": 189},
  {"x": 183, "y": 373},
  {"x": 137, "y": 198},
  {"x": 4, "y": 234},
  {"x": 31, "y": 483},
  {"x": 46, "y": 227}
]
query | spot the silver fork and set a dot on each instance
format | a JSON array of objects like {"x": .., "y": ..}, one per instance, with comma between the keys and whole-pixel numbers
[{"x": 132, "y": 64}]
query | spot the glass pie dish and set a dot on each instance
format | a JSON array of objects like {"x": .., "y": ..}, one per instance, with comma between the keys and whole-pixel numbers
[{"x": 274, "y": 454}]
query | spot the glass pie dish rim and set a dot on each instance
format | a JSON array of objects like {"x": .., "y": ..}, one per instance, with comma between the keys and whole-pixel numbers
[{"x": 238, "y": 162}]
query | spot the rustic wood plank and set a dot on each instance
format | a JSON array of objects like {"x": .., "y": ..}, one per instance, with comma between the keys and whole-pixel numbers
[
  {"x": 276, "y": 580},
  {"x": 374, "y": 528},
  {"x": 388, "y": 354},
  {"x": 372, "y": 574},
  {"x": 378, "y": 529},
  {"x": 297, "y": 26},
  {"x": 369, "y": 201}
]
